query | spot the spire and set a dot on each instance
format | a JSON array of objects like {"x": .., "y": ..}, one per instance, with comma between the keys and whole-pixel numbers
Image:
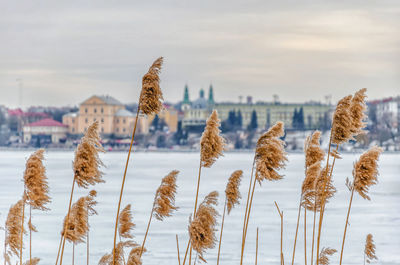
[
  {"x": 201, "y": 93},
  {"x": 211, "y": 95},
  {"x": 186, "y": 96}
]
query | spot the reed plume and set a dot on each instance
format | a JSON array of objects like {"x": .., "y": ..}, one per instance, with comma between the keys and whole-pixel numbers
[
  {"x": 202, "y": 227},
  {"x": 232, "y": 196},
  {"x": 357, "y": 111},
  {"x": 87, "y": 161},
  {"x": 164, "y": 201},
  {"x": 117, "y": 256},
  {"x": 365, "y": 173},
  {"x": 33, "y": 261},
  {"x": 126, "y": 224},
  {"x": 369, "y": 250},
  {"x": 35, "y": 181},
  {"x": 14, "y": 230},
  {"x": 232, "y": 191},
  {"x": 150, "y": 102},
  {"x": 342, "y": 123},
  {"x": 134, "y": 256},
  {"x": 151, "y": 96},
  {"x": 75, "y": 226},
  {"x": 212, "y": 144},
  {"x": 324, "y": 255},
  {"x": 270, "y": 155}
]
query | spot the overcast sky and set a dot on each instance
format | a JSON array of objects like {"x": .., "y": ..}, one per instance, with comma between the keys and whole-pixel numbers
[{"x": 65, "y": 51}]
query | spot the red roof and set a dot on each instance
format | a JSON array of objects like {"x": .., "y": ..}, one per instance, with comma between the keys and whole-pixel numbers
[{"x": 46, "y": 123}]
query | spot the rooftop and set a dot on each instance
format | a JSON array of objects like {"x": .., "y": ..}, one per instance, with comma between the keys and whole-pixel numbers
[
  {"x": 124, "y": 113},
  {"x": 46, "y": 123}
]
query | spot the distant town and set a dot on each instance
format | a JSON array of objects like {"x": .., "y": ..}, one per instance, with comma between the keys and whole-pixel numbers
[{"x": 179, "y": 125}]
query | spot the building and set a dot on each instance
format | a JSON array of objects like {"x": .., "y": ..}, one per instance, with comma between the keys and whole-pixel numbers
[
  {"x": 388, "y": 113},
  {"x": 313, "y": 114},
  {"x": 196, "y": 112},
  {"x": 115, "y": 120},
  {"x": 169, "y": 115},
  {"x": 45, "y": 131}
]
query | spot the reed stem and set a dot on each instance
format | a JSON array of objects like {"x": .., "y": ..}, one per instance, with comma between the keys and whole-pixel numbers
[
  {"x": 177, "y": 248},
  {"x": 22, "y": 229},
  {"x": 281, "y": 215},
  {"x": 5, "y": 246},
  {"x": 345, "y": 228},
  {"x": 30, "y": 235},
  {"x": 147, "y": 231},
  {"x": 73, "y": 253},
  {"x": 66, "y": 223},
  {"x": 256, "y": 247},
  {"x": 59, "y": 249},
  {"x": 123, "y": 181},
  {"x": 297, "y": 229},
  {"x": 220, "y": 235},
  {"x": 305, "y": 236},
  {"x": 248, "y": 205}
]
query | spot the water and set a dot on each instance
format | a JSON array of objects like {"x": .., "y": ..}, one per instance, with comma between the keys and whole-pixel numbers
[{"x": 380, "y": 216}]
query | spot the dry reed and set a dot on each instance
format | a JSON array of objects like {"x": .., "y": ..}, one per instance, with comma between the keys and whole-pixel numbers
[
  {"x": 365, "y": 174},
  {"x": 342, "y": 121},
  {"x": 212, "y": 144},
  {"x": 151, "y": 95},
  {"x": 232, "y": 191},
  {"x": 357, "y": 111},
  {"x": 202, "y": 227},
  {"x": 369, "y": 250},
  {"x": 33, "y": 261},
  {"x": 164, "y": 201},
  {"x": 75, "y": 226},
  {"x": 324, "y": 255},
  {"x": 126, "y": 224},
  {"x": 14, "y": 231}
]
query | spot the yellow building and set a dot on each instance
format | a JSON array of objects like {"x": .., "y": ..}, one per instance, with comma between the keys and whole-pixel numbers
[
  {"x": 112, "y": 115},
  {"x": 169, "y": 115}
]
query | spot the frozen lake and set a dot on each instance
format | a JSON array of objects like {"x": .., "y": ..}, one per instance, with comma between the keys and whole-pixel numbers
[{"x": 380, "y": 216}]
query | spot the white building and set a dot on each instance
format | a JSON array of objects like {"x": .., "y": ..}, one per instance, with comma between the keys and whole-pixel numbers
[
  {"x": 388, "y": 113},
  {"x": 44, "y": 132}
]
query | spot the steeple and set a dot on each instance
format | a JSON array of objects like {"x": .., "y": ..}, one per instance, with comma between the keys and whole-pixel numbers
[
  {"x": 211, "y": 95},
  {"x": 201, "y": 93},
  {"x": 186, "y": 96}
]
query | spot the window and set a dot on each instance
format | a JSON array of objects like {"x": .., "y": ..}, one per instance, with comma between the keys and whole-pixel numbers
[
  {"x": 73, "y": 129},
  {"x": 123, "y": 130},
  {"x": 94, "y": 119},
  {"x": 102, "y": 120},
  {"x": 102, "y": 129},
  {"x": 95, "y": 110},
  {"x": 102, "y": 110},
  {"x": 124, "y": 121},
  {"x": 86, "y": 120},
  {"x": 117, "y": 120}
]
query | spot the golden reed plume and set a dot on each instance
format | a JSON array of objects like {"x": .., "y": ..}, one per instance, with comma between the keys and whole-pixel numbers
[
  {"x": 78, "y": 226},
  {"x": 357, "y": 111},
  {"x": 14, "y": 231},
  {"x": 212, "y": 144},
  {"x": 151, "y": 96},
  {"x": 342, "y": 121},
  {"x": 232, "y": 191},
  {"x": 134, "y": 256},
  {"x": 87, "y": 161},
  {"x": 365, "y": 171},
  {"x": 369, "y": 250},
  {"x": 35, "y": 180},
  {"x": 164, "y": 201},
  {"x": 324, "y": 255},
  {"x": 119, "y": 251},
  {"x": 33, "y": 261},
  {"x": 126, "y": 225},
  {"x": 270, "y": 154},
  {"x": 202, "y": 227},
  {"x": 324, "y": 188}
]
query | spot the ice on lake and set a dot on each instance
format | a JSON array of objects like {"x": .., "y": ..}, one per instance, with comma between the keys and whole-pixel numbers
[{"x": 380, "y": 216}]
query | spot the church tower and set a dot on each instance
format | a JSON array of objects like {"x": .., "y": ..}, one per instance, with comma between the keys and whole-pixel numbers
[
  {"x": 211, "y": 96},
  {"x": 185, "y": 105}
]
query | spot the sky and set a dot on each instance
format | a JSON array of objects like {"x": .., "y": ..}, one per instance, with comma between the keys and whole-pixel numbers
[{"x": 59, "y": 53}]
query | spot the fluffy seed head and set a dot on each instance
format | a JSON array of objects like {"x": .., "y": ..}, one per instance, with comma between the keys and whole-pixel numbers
[
  {"x": 75, "y": 227},
  {"x": 35, "y": 180},
  {"x": 365, "y": 171},
  {"x": 232, "y": 191},
  {"x": 370, "y": 249},
  {"x": 324, "y": 255},
  {"x": 151, "y": 96},
  {"x": 87, "y": 161},
  {"x": 107, "y": 259},
  {"x": 357, "y": 111},
  {"x": 13, "y": 227},
  {"x": 342, "y": 121},
  {"x": 33, "y": 261},
  {"x": 202, "y": 227},
  {"x": 164, "y": 201},
  {"x": 324, "y": 179},
  {"x": 134, "y": 256},
  {"x": 212, "y": 144},
  {"x": 126, "y": 225},
  {"x": 270, "y": 154}
]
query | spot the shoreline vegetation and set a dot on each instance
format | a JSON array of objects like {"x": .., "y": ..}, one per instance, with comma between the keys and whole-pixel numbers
[{"x": 206, "y": 225}]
